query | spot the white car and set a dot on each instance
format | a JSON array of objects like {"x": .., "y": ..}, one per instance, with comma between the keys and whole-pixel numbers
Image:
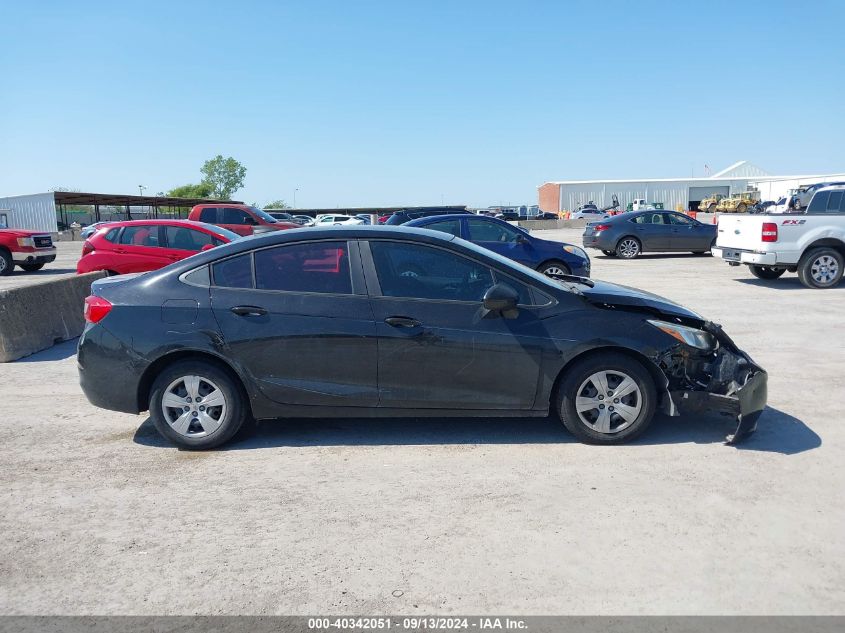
[
  {"x": 589, "y": 214},
  {"x": 811, "y": 244},
  {"x": 338, "y": 220}
]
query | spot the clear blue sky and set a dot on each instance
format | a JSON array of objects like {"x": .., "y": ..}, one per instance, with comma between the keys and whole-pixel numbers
[{"x": 362, "y": 103}]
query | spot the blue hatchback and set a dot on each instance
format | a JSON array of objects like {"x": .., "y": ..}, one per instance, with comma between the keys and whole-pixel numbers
[{"x": 547, "y": 257}]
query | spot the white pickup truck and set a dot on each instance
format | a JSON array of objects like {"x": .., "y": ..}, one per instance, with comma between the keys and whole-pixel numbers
[{"x": 811, "y": 244}]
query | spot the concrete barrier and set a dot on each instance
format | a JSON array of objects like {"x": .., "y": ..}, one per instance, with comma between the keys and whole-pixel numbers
[{"x": 36, "y": 317}]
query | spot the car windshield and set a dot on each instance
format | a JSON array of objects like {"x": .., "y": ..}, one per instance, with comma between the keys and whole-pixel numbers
[
  {"x": 263, "y": 215},
  {"x": 229, "y": 235}
]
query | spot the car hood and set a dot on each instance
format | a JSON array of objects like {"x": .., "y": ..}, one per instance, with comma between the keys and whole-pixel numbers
[
  {"x": 614, "y": 295},
  {"x": 21, "y": 233}
]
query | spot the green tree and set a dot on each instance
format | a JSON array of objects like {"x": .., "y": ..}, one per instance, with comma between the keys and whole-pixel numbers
[
  {"x": 201, "y": 190},
  {"x": 277, "y": 204},
  {"x": 225, "y": 175}
]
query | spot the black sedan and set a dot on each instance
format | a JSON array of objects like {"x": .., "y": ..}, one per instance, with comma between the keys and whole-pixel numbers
[
  {"x": 629, "y": 234},
  {"x": 327, "y": 322}
]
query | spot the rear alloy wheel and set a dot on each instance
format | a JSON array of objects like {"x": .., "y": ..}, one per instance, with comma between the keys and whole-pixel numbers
[
  {"x": 6, "y": 263},
  {"x": 608, "y": 398},
  {"x": 821, "y": 268},
  {"x": 196, "y": 405},
  {"x": 766, "y": 272},
  {"x": 31, "y": 268},
  {"x": 628, "y": 248},
  {"x": 554, "y": 269}
]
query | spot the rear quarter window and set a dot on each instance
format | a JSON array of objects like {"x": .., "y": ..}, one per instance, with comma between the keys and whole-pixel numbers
[{"x": 111, "y": 235}]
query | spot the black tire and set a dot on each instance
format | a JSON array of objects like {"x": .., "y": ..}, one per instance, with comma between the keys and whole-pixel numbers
[
  {"x": 741, "y": 207},
  {"x": 552, "y": 265},
  {"x": 574, "y": 379},
  {"x": 628, "y": 248},
  {"x": 610, "y": 253},
  {"x": 31, "y": 268},
  {"x": 7, "y": 265},
  {"x": 766, "y": 272},
  {"x": 232, "y": 415},
  {"x": 821, "y": 268}
]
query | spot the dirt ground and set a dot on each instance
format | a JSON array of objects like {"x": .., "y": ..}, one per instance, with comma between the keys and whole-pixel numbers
[{"x": 99, "y": 516}]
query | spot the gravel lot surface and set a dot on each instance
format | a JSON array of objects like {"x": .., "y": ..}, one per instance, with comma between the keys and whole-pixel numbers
[{"x": 100, "y": 516}]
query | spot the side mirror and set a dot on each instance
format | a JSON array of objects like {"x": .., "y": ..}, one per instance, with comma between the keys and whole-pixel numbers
[
  {"x": 207, "y": 247},
  {"x": 521, "y": 239},
  {"x": 501, "y": 299}
]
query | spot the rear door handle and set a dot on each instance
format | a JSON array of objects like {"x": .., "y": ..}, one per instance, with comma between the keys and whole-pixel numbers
[
  {"x": 249, "y": 311},
  {"x": 397, "y": 321}
]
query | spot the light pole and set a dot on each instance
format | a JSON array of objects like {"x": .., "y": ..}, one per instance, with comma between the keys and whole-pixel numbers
[
  {"x": 141, "y": 190},
  {"x": 294, "y": 197}
]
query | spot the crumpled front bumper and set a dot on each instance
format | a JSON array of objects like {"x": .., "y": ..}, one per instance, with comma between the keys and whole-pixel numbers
[{"x": 735, "y": 386}]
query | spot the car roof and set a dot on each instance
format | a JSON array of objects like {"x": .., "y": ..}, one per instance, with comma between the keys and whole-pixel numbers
[{"x": 836, "y": 187}]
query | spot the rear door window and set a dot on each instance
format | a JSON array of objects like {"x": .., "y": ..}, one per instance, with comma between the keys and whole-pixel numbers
[
  {"x": 485, "y": 231},
  {"x": 321, "y": 267},
  {"x": 209, "y": 214},
  {"x": 185, "y": 239},
  {"x": 236, "y": 216},
  {"x": 235, "y": 272},
  {"x": 834, "y": 202},
  {"x": 140, "y": 236},
  {"x": 453, "y": 227},
  {"x": 819, "y": 202}
]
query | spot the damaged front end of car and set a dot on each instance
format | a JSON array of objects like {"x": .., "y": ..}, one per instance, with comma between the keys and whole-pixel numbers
[{"x": 716, "y": 377}]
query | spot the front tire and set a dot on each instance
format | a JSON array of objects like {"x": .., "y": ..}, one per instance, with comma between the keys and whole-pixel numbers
[
  {"x": 554, "y": 268},
  {"x": 197, "y": 405},
  {"x": 607, "y": 398},
  {"x": 31, "y": 268},
  {"x": 766, "y": 272},
  {"x": 628, "y": 248},
  {"x": 821, "y": 268},
  {"x": 7, "y": 265}
]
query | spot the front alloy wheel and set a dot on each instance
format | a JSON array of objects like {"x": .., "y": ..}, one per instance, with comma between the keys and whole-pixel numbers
[{"x": 554, "y": 269}]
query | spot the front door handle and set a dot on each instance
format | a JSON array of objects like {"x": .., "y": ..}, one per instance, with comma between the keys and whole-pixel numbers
[
  {"x": 249, "y": 311},
  {"x": 397, "y": 321}
]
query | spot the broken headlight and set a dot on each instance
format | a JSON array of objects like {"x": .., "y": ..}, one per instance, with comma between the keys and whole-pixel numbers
[{"x": 688, "y": 335}]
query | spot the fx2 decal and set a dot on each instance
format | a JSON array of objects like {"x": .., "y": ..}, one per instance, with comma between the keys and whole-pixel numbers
[{"x": 792, "y": 222}]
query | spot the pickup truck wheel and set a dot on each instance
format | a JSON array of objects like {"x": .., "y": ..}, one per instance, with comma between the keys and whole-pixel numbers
[
  {"x": 628, "y": 248},
  {"x": 6, "y": 263},
  {"x": 608, "y": 398},
  {"x": 821, "y": 268},
  {"x": 766, "y": 272},
  {"x": 31, "y": 268}
]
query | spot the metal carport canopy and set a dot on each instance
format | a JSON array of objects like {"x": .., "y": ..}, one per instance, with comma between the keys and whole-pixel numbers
[{"x": 107, "y": 199}]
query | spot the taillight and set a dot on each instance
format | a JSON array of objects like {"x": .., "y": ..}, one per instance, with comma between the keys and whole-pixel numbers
[
  {"x": 601, "y": 227},
  {"x": 770, "y": 232},
  {"x": 87, "y": 247},
  {"x": 96, "y": 308}
]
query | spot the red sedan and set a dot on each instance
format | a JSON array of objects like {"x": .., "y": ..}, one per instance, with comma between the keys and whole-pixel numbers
[{"x": 138, "y": 246}]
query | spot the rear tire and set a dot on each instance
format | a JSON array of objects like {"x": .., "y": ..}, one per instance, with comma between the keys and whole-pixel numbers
[
  {"x": 766, "y": 272},
  {"x": 7, "y": 265},
  {"x": 628, "y": 248},
  {"x": 31, "y": 268},
  {"x": 192, "y": 425},
  {"x": 582, "y": 387},
  {"x": 821, "y": 268}
]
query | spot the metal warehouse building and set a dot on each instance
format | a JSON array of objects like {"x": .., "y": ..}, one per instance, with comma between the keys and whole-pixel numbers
[{"x": 674, "y": 193}]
